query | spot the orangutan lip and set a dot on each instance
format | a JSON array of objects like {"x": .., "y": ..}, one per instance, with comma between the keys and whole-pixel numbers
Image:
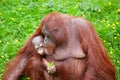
[{"x": 47, "y": 47}]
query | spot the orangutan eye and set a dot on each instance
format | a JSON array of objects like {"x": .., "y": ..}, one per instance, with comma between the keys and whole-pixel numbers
[
  {"x": 56, "y": 30},
  {"x": 37, "y": 47},
  {"x": 46, "y": 38}
]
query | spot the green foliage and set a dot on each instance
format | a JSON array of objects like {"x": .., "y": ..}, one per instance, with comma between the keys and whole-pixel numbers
[
  {"x": 51, "y": 64},
  {"x": 20, "y": 18}
]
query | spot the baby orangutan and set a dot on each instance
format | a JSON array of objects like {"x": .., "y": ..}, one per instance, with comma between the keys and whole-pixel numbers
[{"x": 38, "y": 44}]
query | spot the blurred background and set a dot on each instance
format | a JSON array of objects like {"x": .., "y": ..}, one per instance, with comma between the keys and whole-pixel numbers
[{"x": 20, "y": 18}]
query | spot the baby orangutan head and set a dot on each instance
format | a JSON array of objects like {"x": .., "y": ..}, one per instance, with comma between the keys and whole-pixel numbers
[
  {"x": 38, "y": 44},
  {"x": 41, "y": 45}
]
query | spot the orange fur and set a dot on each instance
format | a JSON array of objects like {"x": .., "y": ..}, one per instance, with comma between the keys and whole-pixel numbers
[{"x": 78, "y": 36}]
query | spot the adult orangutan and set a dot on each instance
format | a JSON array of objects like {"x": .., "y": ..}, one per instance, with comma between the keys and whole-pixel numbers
[{"x": 72, "y": 43}]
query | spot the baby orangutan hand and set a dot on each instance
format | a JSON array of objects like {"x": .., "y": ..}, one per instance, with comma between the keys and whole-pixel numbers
[{"x": 50, "y": 66}]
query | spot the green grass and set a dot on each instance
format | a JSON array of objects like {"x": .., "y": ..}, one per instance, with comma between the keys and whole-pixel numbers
[{"x": 20, "y": 18}]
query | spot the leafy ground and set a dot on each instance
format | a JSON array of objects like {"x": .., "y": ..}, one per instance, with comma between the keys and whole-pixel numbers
[{"x": 20, "y": 18}]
